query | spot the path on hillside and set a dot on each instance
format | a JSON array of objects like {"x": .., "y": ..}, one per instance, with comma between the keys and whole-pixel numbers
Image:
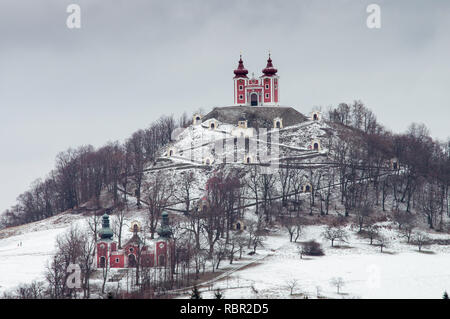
[{"x": 227, "y": 273}]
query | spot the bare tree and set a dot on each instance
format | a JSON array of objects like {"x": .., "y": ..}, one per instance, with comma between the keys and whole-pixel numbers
[
  {"x": 87, "y": 261},
  {"x": 285, "y": 175},
  {"x": 184, "y": 192},
  {"x": 338, "y": 282},
  {"x": 294, "y": 227},
  {"x": 291, "y": 284},
  {"x": 158, "y": 190},
  {"x": 407, "y": 229},
  {"x": 93, "y": 224},
  {"x": 383, "y": 241},
  {"x": 55, "y": 275},
  {"x": 371, "y": 232},
  {"x": 421, "y": 240},
  {"x": 252, "y": 183},
  {"x": 363, "y": 213},
  {"x": 335, "y": 232},
  {"x": 255, "y": 234},
  {"x": 35, "y": 290},
  {"x": 241, "y": 241},
  {"x": 118, "y": 222},
  {"x": 235, "y": 244},
  {"x": 301, "y": 250},
  {"x": 136, "y": 154},
  {"x": 69, "y": 250}
]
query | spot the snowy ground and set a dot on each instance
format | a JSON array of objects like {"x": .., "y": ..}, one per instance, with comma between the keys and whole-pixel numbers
[
  {"x": 400, "y": 272},
  {"x": 25, "y": 263}
]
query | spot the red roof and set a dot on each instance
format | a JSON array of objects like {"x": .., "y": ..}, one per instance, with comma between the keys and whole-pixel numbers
[
  {"x": 241, "y": 71},
  {"x": 269, "y": 70}
]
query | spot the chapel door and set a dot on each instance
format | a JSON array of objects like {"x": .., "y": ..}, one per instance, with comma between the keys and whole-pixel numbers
[
  {"x": 254, "y": 100},
  {"x": 131, "y": 261}
]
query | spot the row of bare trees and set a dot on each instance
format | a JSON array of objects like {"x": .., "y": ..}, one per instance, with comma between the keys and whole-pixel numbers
[{"x": 418, "y": 176}]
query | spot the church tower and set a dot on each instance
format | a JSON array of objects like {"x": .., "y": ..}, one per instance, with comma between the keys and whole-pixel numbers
[
  {"x": 256, "y": 91},
  {"x": 270, "y": 82},
  {"x": 240, "y": 82}
]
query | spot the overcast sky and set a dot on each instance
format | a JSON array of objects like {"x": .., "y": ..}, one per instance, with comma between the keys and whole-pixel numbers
[{"x": 133, "y": 61}]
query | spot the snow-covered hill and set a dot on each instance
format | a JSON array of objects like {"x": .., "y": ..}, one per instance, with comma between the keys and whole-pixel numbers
[{"x": 399, "y": 272}]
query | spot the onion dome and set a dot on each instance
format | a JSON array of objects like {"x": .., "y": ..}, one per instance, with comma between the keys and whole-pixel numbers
[
  {"x": 241, "y": 71},
  {"x": 105, "y": 232},
  {"x": 269, "y": 70},
  {"x": 164, "y": 231}
]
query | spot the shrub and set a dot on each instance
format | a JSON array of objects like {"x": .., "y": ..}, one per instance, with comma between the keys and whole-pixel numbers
[{"x": 312, "y": 248}]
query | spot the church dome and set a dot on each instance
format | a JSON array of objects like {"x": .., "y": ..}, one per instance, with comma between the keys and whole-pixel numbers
[
  {"x": 105, "y": 232},
  {"x": 241, "y": 71},
  {"x": 269, "y": 70}
]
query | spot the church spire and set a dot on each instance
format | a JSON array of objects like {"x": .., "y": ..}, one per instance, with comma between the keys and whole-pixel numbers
[
  {"x": 269, "y": 70},
  {"x": 241, "y": 71}
]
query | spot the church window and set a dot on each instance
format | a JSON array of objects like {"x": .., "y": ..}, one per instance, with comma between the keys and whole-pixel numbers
[
  {"x": 241, "y": 87},
  {"x": 267, "y": 86},
  {"x": 267, "y": 95},
  {"x": 117, "y": 260}
]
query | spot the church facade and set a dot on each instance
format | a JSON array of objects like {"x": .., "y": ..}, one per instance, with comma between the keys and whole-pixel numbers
[
  {"x": 261, "y": 91},
  {"x": 136, "y": 251}
]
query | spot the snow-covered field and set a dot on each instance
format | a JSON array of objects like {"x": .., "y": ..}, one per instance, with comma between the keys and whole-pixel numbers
[
  {"x": 25, "y": 250},
  {"x": 399, "y": 272},
  {"x": 25, "y": 263}
]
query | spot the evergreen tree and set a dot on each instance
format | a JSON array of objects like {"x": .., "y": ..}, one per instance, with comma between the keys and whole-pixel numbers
[
  {"x": 195, "y": 293},
  {"x": 218, "y": 294},
  {"x": 445, "y": 295}
]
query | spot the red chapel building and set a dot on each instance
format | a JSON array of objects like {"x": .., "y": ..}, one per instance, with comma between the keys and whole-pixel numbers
[
  {"x": 256, "y": 91},
  {"x": 148, "y": 253}
]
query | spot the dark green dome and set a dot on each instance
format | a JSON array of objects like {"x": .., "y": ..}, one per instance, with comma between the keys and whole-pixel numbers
[
  {"x": 164, "y": 231},
  {"x": 105, "y": 232}
]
